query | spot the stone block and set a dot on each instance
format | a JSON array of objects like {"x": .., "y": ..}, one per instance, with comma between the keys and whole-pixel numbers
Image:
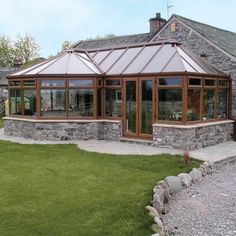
[
  {"x": 196, "y": 174},
  {"x": 186, "y": 179}
]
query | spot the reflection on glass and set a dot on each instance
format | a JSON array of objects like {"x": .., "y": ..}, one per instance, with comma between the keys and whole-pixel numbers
[
  {"x": 52, "y": 103},
  {"x": 131, "y": 106},
  {"x": 170, "y": 81},
  {"x": 170, "y": 104},
  {"x": 80, "y": 102},
  {"x": 193, "y": 110},
  {"x": 223, "y": 83},
  {"x": 28, "y": 83},
  {"x": 209, "y": 105},
  {"x": 29, "y": 101},
  {"x": 146, "y": 125},
  {"x": 113, "y": 102},
  {"x": 81, "y": 83},
  {"x": 52, "y": 83},
  {"x": 222, "y": 104},
  {"x": 14, "y": 83},
  {"x": 99, "y": 102},
  {"x": 15, "y": 102}
]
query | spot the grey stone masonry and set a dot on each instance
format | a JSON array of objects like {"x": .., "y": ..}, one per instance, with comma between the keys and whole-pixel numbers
[
  {"x": 63, "y": 130},
  {"x": 192, "y": 137},
  {"x": 199, "y": 45}
]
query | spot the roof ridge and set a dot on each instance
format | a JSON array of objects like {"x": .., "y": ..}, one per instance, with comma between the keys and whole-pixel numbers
[{"x": 198, "y": 22}]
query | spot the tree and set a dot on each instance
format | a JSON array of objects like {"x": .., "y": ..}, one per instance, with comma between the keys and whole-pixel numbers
[
  {"x": 6, "y": 52},
  {"x": 26, "y": 49},
  {"x": 106, "y": 36},
  {"x": 66, "y": 45}
]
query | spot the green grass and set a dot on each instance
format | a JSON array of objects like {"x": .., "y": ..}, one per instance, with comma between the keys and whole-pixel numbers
[
  {"x": 62, "y": 190},
  {"x": 1, "y": 122}
]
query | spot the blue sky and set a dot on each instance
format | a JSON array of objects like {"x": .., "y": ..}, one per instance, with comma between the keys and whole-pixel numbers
[{"x": 51, "y": 22}]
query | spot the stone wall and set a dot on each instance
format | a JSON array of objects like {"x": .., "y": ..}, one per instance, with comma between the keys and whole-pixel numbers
[
  {"x": 56, "y": 131},
  {"x": 193, "y": 136},
  {"x": 198, "y": 45}
]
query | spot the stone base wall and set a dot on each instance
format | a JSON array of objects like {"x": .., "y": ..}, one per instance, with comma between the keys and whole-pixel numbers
[
  {"x": 193, "y": 136},
  {"x": 57, "y": 130}
]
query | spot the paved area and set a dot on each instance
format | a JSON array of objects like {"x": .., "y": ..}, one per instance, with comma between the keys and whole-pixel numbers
[
  {"x": 215, "y": 153},
  {"x": 207, "y": 208}
]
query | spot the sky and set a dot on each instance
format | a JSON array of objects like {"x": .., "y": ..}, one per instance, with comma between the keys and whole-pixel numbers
[{"x": 51, "y": 22}]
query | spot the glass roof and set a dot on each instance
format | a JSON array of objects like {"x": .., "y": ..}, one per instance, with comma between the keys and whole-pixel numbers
[{"x": 149, "y": 58}]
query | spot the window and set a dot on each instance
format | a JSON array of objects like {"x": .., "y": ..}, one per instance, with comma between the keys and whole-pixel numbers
[
  {"x": 222, "y": 98},
  {"x": 15, "y": 102},
  {"x": 210, "y": 82},
  {"x": 13, "y": 83},
  {"x": 113, "y": 102},
  {"x": 170, "y": 81},
  {"x": 170, "y": 104},
  {"x": 223, "y": 83},
  {"x": 52, "y": 83},
  {"x": 29, "y": 102},
  {"x": 209, "y": 104},
  {"x": 99, "y": 102},
  {"x": 80, "y": 83},
  {"x": 29, "y": 83},
  {"x": 52, "y": 103},
  {"x": 194, "y": 82},
  {"x": 113, "y": 82},
  {"x": 193, "y": 104},
  {"x": 80, "y": 102}
]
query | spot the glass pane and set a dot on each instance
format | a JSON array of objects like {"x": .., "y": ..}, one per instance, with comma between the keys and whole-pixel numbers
[
  {"x": 193, "y": 110},
  {"x": 81, "y": 102},
  {"x": 15, "y": 102},
  {"x": 209, "y": 104},
  {"x": 14, "y": 83},
  {"x": 222, "y": 104},
  {"x": 131, "y": 106},
  {"x": 195, "y": 82},
  {"x": 113, "y": 82},
  {"x": 99, "y": 100},
  {"x": 210, "y": 82},
  {"x": 170, "y": 81},
  {"x": 29, "y": 101},
  {"x": 99, "y": 82},
  {"x": 223, "y": 83},
  {"x": 146, "y": 125},
  {"x": 81, "y": 83},
  {"x": 29, "y": 83},
  {"x": 47, "y": 83},
  {"x": 113, "y": 102},
  {"x": 170, "y": 104},
  {"x": 52, "y": 103}
]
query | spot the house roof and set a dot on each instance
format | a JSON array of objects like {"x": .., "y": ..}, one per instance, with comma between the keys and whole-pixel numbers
[
  {"x": 3, "y": 74},
  {"x": 114, "y": 41},
  {"x": 225, "y": 39},
  {"x": 135, "y": 59}
]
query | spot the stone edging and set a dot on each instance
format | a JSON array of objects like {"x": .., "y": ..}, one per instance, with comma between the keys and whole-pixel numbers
[{"x": 172, "y": 185}]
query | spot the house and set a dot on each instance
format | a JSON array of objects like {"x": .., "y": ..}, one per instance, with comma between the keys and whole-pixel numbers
[{"x": 170, "y": 85}]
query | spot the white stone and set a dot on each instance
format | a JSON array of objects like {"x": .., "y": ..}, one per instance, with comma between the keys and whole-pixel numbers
[
  {"x": 186, "y": 179},
  {"x": 152, "y": 211},
  {"x": 159, "y": 223},
  {"x": 196, "y": 174},
  {"x": 174, "y": 184}
]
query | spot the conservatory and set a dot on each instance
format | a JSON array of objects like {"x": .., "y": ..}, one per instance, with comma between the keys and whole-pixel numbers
[{"x": 157, "y": 91}]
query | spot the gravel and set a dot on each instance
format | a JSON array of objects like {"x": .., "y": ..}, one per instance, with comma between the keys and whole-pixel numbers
[{"x": 207, "y": 208}]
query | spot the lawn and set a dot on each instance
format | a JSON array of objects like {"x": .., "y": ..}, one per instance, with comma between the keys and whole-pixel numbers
[
  {"x": 62, "y": 190},
  {"x": 1, "y": 122}
]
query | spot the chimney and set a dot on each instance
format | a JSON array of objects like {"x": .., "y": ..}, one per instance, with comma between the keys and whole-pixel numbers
[{"x": 156, "y": 23}]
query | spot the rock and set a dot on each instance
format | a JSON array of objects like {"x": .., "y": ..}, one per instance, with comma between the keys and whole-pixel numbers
[
  {"x": 186, "y": 179},
  {"x": 157, "y": 204},
  {"x": 152, "y": 211},
  {"x": 156, "y": 228},
  {"x": 196, "y": 174},
  {"x": 164, "y": 185},
  {"x": 156, "y": 234},
  {"x": 174, "y": 183},
  {"x": 209, "y": 166},
  {"x": 203, "y": 169},
  {"x": 159, "y": 223},
  {"x": 160, "y": 193}
]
